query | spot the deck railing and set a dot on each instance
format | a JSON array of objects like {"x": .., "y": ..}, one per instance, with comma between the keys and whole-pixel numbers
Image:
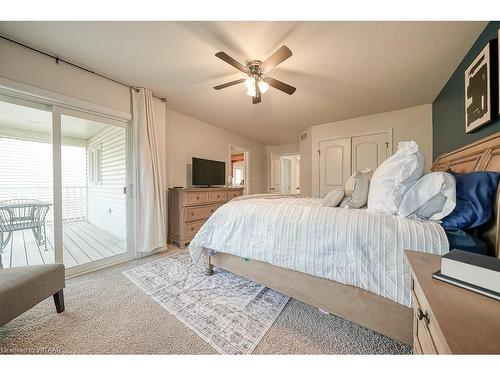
[{"x": 74, "y": 199}]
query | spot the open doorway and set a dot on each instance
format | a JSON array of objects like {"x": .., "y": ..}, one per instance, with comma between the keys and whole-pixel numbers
[
  {"x": 239, "y": 168},
  {"x": 285, "y": 174}
]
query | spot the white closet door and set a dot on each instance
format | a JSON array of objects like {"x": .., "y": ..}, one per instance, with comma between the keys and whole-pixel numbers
[
  {"x": 275, "y": 185},
  {"x": 334, "y": 164},
  {"x": 369, "y": 151},
  {"x": 296, "y": 175}
]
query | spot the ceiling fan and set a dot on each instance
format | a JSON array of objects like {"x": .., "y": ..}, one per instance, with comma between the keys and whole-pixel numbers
[{"x": 258, "y": 81}]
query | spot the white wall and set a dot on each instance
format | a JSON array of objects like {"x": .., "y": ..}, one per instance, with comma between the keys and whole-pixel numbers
[
  {"x": 188, "y": 137},
  {"x": 22, "y": 65},
  {"x": 306, "y": 163},
  {"x": 413, "y": 123}
]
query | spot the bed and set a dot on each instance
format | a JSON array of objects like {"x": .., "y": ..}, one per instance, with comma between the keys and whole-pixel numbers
[{"x": 346, "y": 262}]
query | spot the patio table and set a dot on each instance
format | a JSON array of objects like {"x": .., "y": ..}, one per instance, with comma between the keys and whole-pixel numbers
[{"x": 22, "y": 214}]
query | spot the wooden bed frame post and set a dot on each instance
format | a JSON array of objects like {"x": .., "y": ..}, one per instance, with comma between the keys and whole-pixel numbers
[{"x": 210, "y": 267}]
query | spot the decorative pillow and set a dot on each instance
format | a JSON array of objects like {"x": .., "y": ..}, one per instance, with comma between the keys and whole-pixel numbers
[
  {"x": 356, "y": 189},
  {"x": 458, "y": 239},
  {"x": 333, "y": 198},
  {"x": 476, "y": 193},
  {"x": 394, "y": 177},
  {"x": 430, "y": 198}
]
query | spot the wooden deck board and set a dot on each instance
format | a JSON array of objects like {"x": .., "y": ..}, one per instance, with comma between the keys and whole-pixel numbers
[
  {"x": 82, "y": 243},
  {"x": 104, "y": 238},
  {"x": 99, "y": 244},
  {"x": 69, "y": 261}
]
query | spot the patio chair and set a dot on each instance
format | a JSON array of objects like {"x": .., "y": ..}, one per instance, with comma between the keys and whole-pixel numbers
[{"x": 21, "y": 214}]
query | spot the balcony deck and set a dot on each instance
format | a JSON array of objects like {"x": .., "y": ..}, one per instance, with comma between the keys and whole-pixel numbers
[{"x": 82, "y": 243}]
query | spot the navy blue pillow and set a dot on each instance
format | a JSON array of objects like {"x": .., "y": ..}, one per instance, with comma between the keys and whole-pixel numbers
[
  {"x": 458, "y": 239},
  {"x": 476, "y": 192}
]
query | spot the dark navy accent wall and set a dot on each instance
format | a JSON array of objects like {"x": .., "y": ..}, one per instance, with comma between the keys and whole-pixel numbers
[{"x": 448, "y": 117}]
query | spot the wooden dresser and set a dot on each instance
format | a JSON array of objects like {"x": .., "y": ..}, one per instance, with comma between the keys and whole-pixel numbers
[
  {"x": 449, "y": 319},
  {"x": 189, "y": 208}
]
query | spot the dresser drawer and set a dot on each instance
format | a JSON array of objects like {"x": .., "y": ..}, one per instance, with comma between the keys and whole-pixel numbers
[
  {"x": 422, "y": 339},
  {"x": 424, "y": 325},
  {"x": 193, "y": 227},
  {"x": 417, "y": 349},
  {"x": 194, "y": 197},
  {"x": 197, "y": 213},
  {"x": 233, "y": 194},
  {"x": 217, "y": 196}
]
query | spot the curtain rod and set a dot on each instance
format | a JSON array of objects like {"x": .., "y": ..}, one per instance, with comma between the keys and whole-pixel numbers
[{"x": 58, "y": 60}]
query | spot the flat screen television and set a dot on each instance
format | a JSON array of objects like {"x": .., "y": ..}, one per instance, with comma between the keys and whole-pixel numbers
[{"x": 208, "y": 172}]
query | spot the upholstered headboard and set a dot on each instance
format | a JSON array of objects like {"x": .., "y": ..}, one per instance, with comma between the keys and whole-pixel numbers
[{"x": 482, "y": 155}]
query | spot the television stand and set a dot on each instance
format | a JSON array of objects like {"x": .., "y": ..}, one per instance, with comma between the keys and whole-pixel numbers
[{"x": 189, "y": 209}]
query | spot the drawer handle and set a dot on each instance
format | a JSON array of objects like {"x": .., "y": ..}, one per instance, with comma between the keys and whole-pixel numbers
[
  {"x": 197, "y": 197},
  {"x": 421, "y": 315},
  {"x": 192, "y": 228},
  {"x": 218, "y": 196},
  {"x": 212, "y": 210},
  {"x": 192, "y": 213}
]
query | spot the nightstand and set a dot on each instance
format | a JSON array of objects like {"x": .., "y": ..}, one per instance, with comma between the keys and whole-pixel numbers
[{"x": 448, "y": 319}]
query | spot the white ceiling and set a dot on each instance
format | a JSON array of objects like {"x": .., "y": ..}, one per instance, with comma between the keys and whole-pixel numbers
[{"x": 341, "y": 69}]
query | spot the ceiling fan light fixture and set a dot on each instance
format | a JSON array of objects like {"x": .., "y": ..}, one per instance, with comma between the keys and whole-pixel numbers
[
  {"x": 250, "y": 83},
  {"x": 263, "y": 86},
  {"x": 257, "y": 80},
  {"x": 251, "y": 91}
]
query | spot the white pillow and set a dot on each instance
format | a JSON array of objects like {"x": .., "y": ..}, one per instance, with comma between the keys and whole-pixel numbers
[
  {"x": 394, "y": 177},
  {"x": 356, "y": 189},
  {"x": 333, "y": 198},
  {"x": 430, "y": 198}
]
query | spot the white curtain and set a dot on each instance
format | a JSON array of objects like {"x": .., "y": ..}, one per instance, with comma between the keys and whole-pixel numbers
[{"x": 149, "y": 207}]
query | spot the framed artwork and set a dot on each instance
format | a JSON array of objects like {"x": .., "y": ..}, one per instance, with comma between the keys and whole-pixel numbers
[{"x": 478, "y": 91}]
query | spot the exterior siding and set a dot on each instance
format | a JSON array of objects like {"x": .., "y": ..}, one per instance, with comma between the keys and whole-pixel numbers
[{"x": 106, "y": 200}]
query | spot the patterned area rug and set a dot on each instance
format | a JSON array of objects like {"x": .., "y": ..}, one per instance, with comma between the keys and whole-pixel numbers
[{"x": 229, "y": 312}]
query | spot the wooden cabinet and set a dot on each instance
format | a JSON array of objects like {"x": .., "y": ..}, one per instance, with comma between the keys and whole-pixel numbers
[
  {"x": 189, "y": 208},
  {"x": 448, "y": 319}
]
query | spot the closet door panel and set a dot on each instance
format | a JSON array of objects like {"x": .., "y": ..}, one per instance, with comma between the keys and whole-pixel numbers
[
  {"x": 369, "y": 151},
  {"x": 334, "y": 164}
]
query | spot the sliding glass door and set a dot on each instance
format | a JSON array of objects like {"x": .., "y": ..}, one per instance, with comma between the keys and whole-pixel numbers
[
  {"x": 63, "y": 178},
  {"x": 26, "y": 176},
  {"x": 93, "y": 221}
]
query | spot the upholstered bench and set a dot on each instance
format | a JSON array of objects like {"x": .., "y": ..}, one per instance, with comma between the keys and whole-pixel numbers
[{"x": 21, "y": 288}]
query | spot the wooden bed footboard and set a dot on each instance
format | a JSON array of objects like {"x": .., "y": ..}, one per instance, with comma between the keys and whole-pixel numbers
[{"x": 354, "y": 304}]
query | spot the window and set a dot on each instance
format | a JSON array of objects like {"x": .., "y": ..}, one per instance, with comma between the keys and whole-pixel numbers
[{"x": 95, "y": 165}]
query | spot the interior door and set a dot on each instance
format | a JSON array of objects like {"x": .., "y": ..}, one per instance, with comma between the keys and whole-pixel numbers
[
  {"x": 296, "y": 175},
  {"x": 369, "y": 151},
  {"x": 286, "y": 176},
  {"x": 334, "y": 164},
  {"x": 275, "y": 185}
]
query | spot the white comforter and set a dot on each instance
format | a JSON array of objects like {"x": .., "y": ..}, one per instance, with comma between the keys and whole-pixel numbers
[{"x": 355, "y": 247}]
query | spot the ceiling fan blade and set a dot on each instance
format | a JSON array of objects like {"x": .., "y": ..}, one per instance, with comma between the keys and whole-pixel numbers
[
  {"x": 225, "y": 57},
  {"x": 276, "y": 58},
  {"x": 282, "y": 86},
  {"x": 224, "y": 85}
]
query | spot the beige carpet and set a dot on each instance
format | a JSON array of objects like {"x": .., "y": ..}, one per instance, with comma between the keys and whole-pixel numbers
[{"x": 107, "y": 313}]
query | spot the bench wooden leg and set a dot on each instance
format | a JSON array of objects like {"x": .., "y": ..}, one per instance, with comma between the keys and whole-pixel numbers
[{"x": 59, "y": 301}]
